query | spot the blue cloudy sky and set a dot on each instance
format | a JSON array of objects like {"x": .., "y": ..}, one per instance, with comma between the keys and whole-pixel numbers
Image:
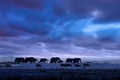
[{"x": 65, "y": 28}]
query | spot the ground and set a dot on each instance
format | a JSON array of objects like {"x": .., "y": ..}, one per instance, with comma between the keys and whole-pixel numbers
[{"x": 28, "y": 71}]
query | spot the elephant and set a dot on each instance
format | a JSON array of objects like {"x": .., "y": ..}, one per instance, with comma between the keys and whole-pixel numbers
[
  {"x": 43, "y": 60},
  {"x": 69, "y": 60},
  {"x": 30, "y": 59},
  {"x": 76, "y": 60},
  {"x": 60, "y": 61},
  {"x": 55, "y": 60},
  {"x": 19, "y": 60},
  {"x": 73, "y": 60}
]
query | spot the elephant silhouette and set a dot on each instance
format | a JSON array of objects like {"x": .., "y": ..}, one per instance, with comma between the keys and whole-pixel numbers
[
  {"x": 73, "y": 60},
  {"x": 55, "y": 60},
  {"x": 76, "y": 60},
  {"x": 43, "y": 60},
  {"x": 69, "y": 60},
  {"x": 19, "y": 60},
  {"x": 30, "y": 59}
]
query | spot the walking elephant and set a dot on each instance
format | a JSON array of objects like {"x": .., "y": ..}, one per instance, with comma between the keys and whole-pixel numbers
[{"x": 30, "y": 59}]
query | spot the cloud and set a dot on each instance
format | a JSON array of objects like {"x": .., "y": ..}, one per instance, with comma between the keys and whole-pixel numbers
[
  {"x": 108, "y": 9},
  {"x": 57, "y": 27},
  {"x": 12, "y": 47}
]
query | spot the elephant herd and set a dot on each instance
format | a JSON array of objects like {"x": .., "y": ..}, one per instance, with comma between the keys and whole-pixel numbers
[
  {"x": 45, "y": 60},
  {"x": 67, "y": 62}
]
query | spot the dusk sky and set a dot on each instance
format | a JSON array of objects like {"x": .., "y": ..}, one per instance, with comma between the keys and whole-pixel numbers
[{"x": 64, "y": 28}]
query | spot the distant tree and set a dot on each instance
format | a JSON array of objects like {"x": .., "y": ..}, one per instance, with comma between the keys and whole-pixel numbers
[
  {"x": 43, "y": 60},
  {"x": 55, "y": 60},
  {"x": 30, "y": 59},
  {"x": 19, "y": 60}
]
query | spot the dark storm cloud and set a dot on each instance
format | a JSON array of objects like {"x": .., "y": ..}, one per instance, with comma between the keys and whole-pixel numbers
[
  {"x": 108, "y": 35},
  {"x": 109, "y": 9},
  {"x": 27, "y": 16},
  {"x": 6, "y": 32},
  {"x": 41, "y": 17},
  {"x": 56, "y": 27}
]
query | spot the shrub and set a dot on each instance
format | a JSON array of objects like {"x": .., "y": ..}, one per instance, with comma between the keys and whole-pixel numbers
[
  {"x": 38, "y": 65},
  {"x": 8, "y": 65}
]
